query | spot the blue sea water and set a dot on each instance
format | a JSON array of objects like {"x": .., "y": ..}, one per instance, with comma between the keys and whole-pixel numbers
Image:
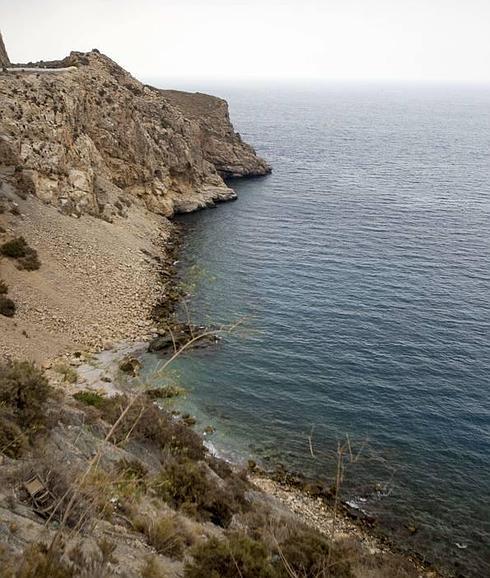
[{"x": 362, "y": 267}]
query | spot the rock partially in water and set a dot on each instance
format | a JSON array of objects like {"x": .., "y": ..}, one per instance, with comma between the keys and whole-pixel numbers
[
  {"x": 130, "y": 365},
  {"x": 177, "y": 336}
]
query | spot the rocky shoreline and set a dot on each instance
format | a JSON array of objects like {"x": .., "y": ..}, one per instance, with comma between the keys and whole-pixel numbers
[
  {"x": 101, "y": 374},
  {"x": 307, "y": 498}
]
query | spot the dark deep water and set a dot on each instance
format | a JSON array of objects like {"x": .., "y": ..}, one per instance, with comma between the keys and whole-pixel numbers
[{"x": 364, "y": 265}]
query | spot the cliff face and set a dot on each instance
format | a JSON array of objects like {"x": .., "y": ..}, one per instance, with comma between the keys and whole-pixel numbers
[
  {"x": 221, "y": 145},
  {"x": 90, "y": 138},
  {"x": 4, "y": 59}
]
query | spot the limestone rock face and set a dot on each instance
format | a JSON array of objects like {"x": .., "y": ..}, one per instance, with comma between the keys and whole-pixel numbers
[
  {"x": 88, "y": 137},
  {"x": 222, "y": 146},
  {"x": 4, "y": 59}
]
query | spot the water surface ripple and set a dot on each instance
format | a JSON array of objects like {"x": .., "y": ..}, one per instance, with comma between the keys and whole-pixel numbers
[{"x": 364, "y": 263}]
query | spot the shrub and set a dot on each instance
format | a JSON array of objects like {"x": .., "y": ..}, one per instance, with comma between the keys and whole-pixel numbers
[
  {"x": 310, "y": 554},
  {"x": 14, "y": 248},
  {"x": 237, "y": 556},
  {"x": 30, "y": 262},
  {"x": 147, "y": 422},
  {"x": 26, "y": 256},
  {"x": 37, "y": 560},
  {"x": 7, "y": 306},
  {"x": 40, "y": 561},
  {"x": 185, "y": 484},
  {"x": 222, "y": 468},
  {"x": 13, "y": 441},
  {"x": 91, "y": 398},
  {"x": 23, "y": 395},
  {"x": 24, "y": 391},
  {"x": 3, "y": 287},
  {"x": 166, "y": 392},
  {"x": 133, "y": 474}
]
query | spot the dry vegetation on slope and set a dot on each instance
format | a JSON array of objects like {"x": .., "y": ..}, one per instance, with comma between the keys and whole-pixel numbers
[{"x": 132, "y": 491}]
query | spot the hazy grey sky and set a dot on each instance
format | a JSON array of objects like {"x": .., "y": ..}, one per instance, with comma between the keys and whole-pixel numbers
[{"x": 435, "y": 40}]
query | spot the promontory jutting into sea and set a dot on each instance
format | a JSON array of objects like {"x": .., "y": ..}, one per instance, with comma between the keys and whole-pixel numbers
[{"x": 294, "y": 384}]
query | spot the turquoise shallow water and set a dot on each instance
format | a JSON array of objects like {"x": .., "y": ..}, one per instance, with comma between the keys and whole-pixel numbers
[{"x": 363, "y": 267}]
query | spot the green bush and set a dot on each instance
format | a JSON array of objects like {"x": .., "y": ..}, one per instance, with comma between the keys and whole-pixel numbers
[
  {"x": 89, "y": 398},
  {"x": 26, "y": 256},
  {"x": 69, "y": 374},
  {"x": 23, "y": 394},
  {"x": 13, "y": 441},
  {"x": 7, "y": 306},
  {"x": 236, "y": 556},
  {"x": 166, "y": 392},
  {"x": 132, "y": 475}
]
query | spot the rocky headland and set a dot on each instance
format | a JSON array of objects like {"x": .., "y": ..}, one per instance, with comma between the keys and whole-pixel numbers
[{"x": 91, "y": 139}]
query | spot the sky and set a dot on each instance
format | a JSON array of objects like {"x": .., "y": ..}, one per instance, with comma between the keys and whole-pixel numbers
[{"x": 322, "y": 40}]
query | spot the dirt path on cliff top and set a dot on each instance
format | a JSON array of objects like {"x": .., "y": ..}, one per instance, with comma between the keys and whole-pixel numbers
[{"x": 96, "y": 284}]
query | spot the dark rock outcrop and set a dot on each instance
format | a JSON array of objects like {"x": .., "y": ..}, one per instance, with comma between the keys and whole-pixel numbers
[{"x": 4, "y": 59}]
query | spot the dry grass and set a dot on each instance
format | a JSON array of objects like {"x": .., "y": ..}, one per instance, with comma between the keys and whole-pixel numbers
[
  {"x": 153, "y": 568},
  {"x": 40, "y": 561},
  {"x": 166, "y": 534},
  {"x": 69, "y": 374}
]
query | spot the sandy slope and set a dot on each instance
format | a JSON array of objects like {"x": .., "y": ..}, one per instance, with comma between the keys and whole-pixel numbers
[{"x": 97, "y": 282}]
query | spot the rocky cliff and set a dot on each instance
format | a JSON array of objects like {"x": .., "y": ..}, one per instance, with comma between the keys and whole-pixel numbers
[
  {"x": 221, "y": 145},
  {"x": 4, "y": 59},
  {"x": 86, "y": 136}
]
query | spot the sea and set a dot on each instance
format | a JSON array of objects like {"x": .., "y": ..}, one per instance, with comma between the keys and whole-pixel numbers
[{"x": 357, "y": 279}]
